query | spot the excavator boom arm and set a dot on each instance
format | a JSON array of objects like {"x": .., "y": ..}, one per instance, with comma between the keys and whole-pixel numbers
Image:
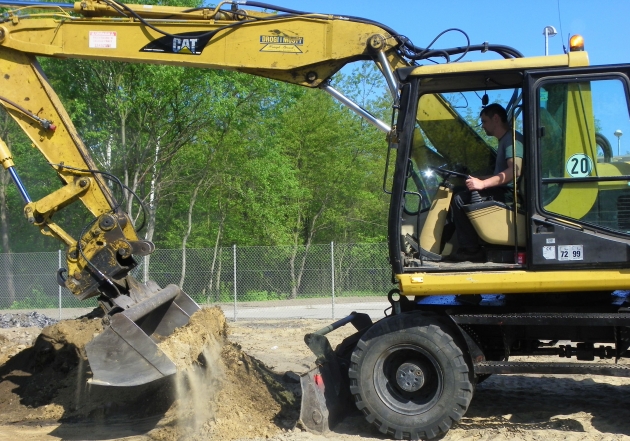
[
  {"x": 302, "y": 49},
  {"x": 298, "y": 49},
  {"x": 295, "y": 47}
]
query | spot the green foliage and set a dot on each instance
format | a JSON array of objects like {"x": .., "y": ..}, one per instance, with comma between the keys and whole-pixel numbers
[
  {"x": 225, "y": 295},
  {"x": 37, "y": 300},
  {"x": 199, "y": 298},
  {"x": 273, "y": 163},
  {"x": 258, "y": 296}
]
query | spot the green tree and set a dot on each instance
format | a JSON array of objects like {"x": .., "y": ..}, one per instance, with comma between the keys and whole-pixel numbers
[{"x": 332, "y": 155}]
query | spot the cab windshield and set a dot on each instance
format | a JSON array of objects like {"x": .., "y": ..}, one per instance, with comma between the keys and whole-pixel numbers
[{"x": 448, "y": 135}]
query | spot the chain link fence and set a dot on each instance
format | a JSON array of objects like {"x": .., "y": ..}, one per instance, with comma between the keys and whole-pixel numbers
[{"x": 320, "y": 281}]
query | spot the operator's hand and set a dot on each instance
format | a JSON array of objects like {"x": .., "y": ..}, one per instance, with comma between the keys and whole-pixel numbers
[{"x": 474, "y": 184}]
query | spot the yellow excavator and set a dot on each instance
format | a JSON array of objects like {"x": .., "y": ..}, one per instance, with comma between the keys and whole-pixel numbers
[{"x": 554, "y": 265}]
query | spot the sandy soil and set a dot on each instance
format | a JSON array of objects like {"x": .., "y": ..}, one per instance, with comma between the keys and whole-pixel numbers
[{"x": 236, "y": 391}]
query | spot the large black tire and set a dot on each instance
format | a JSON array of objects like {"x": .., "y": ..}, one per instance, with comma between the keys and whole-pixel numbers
[{"x": 410, "y": 378}]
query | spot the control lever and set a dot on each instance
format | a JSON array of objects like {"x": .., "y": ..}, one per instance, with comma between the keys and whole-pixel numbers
[{"x": 475, "y": 197}]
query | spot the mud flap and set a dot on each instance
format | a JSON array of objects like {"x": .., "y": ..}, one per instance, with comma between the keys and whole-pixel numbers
[
  {"x": 325, "y": 388},
  {"x": 126, "y": 353}
]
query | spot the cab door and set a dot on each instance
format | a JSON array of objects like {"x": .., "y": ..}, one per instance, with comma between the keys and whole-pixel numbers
[{"x": 579, "y": 178}]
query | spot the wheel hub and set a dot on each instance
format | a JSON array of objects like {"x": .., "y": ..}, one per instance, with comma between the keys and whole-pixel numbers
[{"x": 410, "y": 377}]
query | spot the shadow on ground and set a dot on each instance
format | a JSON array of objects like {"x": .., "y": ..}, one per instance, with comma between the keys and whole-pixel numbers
[
  {"x": 520, "y": 404},
  {"x": 48, "y": 384}
]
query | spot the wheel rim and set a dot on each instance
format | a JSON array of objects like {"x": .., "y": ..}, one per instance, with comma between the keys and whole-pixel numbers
[{"x": 408, "y": 379}]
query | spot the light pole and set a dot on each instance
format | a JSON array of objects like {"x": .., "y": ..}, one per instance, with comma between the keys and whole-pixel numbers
[
  {"x": 618, "y": 134},
  {"x": 549, "y": 31}
]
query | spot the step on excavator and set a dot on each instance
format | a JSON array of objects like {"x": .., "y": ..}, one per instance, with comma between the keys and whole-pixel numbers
[{"x": 552, "y": 268}]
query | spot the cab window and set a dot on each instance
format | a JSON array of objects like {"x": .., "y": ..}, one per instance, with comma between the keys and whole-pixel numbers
[
  {"x": 584, "y": 165},
  {"x": 448, "y": 134}
]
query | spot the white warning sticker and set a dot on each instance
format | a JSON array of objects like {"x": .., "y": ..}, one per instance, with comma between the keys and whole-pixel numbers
[
  {"x": 102, "y": 40},
  {"x": 570, "y": 252},
  {"x": 549, "y": 252}
]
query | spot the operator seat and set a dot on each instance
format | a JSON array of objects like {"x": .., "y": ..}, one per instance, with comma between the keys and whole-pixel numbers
[{"x": 494, "y": 221}]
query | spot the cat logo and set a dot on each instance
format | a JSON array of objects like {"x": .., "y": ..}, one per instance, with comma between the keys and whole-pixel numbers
[
  {"x": 281, "y": 43},
  {"x": 184, "y": 45},
  {"x": 192, "y": 43}
]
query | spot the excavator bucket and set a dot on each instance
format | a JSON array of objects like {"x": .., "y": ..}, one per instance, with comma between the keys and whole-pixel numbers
[{"x": 126, "y": 352}]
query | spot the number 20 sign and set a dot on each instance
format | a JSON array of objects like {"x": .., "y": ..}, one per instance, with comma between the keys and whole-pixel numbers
[{"x": 579, "y": 165}]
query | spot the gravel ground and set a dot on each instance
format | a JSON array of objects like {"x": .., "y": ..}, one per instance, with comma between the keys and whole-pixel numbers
[{"x": 28, "y": 320}]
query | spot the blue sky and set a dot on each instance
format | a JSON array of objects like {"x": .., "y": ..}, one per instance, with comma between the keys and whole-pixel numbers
[{"x": 519, "y": 24}]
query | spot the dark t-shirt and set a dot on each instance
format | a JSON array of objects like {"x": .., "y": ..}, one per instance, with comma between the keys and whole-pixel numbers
[{"x": 504, "y": 151}]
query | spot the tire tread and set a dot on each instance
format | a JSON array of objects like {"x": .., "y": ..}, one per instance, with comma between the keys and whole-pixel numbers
[{"x": 427, "y": 327}]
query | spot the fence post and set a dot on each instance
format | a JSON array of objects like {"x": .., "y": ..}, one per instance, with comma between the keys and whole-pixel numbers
[
  {"x": 145, "y": 270},
  {"x": 234, "y": 248},
  {"x": 59, "y": 254},
  {"x": 332, "y": 272}
]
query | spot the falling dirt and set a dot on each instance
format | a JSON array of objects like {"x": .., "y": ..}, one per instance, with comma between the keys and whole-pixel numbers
[{"x": 219, "y": 393}]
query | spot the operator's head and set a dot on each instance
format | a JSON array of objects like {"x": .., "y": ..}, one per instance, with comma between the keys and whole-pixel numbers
[{"x": 493, "y": 119}]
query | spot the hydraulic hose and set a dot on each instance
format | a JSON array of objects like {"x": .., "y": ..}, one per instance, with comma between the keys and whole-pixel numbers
[
  {"x": 408, "y": 49},
  {"x": 38, "y": 4},
  {"x": 272, "y": 7}
]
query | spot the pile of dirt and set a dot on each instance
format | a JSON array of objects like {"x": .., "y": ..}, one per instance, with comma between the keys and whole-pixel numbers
[{"x": 218, "y": 393}]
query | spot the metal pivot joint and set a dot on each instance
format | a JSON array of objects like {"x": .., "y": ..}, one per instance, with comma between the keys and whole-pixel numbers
[{"x": 377, "y": 45}]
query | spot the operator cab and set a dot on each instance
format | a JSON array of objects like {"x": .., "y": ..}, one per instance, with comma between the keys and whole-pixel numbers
[
  {"x": 573, "y": 196},
  {"x": 446, "y": 150}
]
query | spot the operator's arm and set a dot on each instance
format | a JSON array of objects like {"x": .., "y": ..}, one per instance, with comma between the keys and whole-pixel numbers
[{"x": 502, "y": 178}]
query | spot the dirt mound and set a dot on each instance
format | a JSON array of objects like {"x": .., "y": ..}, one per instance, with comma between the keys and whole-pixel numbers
[{"x": 218, "y": 393}]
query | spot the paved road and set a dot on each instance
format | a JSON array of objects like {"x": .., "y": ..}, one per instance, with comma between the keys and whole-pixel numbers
[{"x": 312, "y": 309}]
